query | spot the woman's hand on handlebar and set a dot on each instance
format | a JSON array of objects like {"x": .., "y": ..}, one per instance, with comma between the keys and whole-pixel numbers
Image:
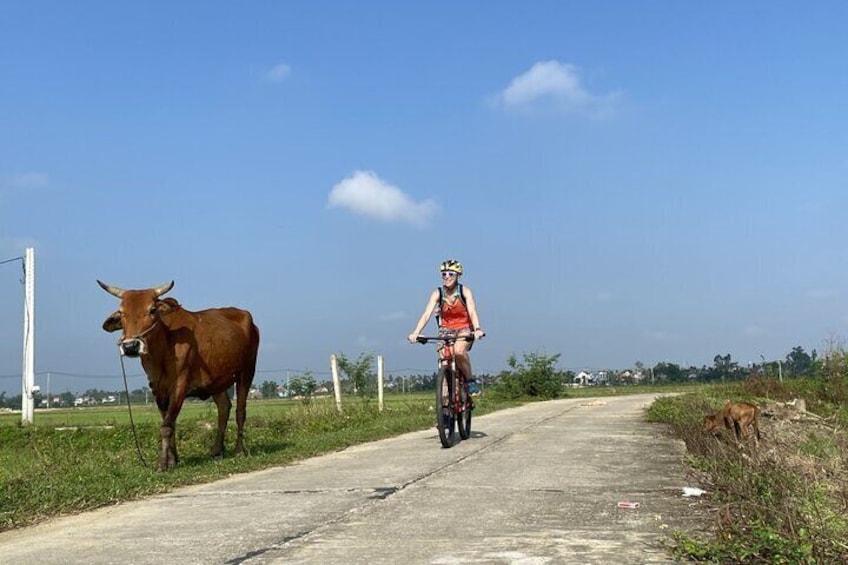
[
  {"x": 479, "y": 333},
  {"x": 412, "y": 338},
  {"x": 445, "y": 339}
]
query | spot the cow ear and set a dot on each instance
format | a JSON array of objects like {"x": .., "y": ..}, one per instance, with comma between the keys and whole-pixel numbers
[
  {"x": 166, "y": 306},
  {"x": 113, "y": 322}
]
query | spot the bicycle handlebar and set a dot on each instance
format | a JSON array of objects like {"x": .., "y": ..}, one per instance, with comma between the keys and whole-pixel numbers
[{"x": 446, "y": 339}]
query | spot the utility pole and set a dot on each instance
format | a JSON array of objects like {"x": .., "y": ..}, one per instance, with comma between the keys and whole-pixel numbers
[
  {"x": 28, "y": 375},
  {"x": 337, "y": 385},
  {"x": 380, "y": 382}
]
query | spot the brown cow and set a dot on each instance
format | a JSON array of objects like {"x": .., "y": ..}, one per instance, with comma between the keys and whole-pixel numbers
[
  {"x": 198, "y": 354},
  {"x": 736, "y": 416}
]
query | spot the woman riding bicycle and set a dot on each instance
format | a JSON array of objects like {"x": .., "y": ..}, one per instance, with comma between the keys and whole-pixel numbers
[{"x": 456, "y": 313}]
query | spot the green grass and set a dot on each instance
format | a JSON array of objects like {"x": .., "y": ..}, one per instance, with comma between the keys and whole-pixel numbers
[{"x": 73, "y": 460}]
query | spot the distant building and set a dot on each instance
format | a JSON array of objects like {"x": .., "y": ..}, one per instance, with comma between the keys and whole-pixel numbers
[{"x": 583, "y": 378}]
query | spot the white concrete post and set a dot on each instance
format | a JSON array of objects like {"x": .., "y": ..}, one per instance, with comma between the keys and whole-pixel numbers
[
  {"x": 28, "y": 376},
  {"x": 337, "y": 385},
  {"x": 380, "y": 382}
]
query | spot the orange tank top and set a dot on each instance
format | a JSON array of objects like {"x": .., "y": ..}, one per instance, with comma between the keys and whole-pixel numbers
[{"x": 454, "y": 316}]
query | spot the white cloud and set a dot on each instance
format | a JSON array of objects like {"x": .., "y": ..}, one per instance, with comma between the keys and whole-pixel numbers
[
  {"x": 278, "y": 73},
  {"x": 557, "y": 85},
  {"x": 24, "y": 180},
  {"x": 366, "y": 194}
]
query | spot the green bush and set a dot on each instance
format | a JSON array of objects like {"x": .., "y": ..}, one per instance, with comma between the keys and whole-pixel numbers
[{"x": 536, "y": 377}]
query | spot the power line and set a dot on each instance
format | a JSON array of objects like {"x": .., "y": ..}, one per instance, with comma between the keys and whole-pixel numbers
[{"x": 23, "y": 265}]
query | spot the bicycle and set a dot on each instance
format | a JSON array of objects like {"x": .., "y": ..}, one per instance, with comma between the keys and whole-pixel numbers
[{"x": 453, "y": 399}]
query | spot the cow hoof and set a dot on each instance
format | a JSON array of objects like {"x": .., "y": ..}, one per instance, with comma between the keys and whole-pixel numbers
[{"x": 168, "y": 463}]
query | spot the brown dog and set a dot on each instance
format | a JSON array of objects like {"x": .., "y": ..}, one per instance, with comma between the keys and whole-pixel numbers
[{"x": 736, "y": 416}]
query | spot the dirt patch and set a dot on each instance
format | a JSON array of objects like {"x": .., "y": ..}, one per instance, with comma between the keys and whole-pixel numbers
[{"x": 812, "y": 446}]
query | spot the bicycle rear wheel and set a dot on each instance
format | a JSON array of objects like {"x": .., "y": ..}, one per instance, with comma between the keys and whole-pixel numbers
[
  {"x": 445, "y": 416},
  {"x": 463, "y": 418}
]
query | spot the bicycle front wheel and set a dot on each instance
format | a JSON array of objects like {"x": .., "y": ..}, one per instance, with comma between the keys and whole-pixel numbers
[
  {"x": 445, "y": 416},
  {"x": 463, "y": 416}
]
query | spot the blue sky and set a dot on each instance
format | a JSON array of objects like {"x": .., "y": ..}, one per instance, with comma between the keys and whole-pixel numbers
[{"x": 652, "y": 181}]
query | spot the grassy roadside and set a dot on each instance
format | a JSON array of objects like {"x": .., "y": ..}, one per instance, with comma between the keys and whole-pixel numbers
[
  {"x": 782, "y": 501},
  {"x": 70, "y": 461}
]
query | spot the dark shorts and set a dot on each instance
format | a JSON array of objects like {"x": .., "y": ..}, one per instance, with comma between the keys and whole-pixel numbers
[{"x": 445, "y": 332}]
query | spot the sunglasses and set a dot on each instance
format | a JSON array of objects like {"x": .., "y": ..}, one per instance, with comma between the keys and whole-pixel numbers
[{"x": 449, "y": 273}]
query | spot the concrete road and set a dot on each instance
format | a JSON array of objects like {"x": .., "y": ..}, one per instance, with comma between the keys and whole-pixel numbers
[{"x": 534, "y": 485}]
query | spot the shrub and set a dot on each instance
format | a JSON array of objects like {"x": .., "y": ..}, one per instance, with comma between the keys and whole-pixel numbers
[{"x": 535, "y": 377}]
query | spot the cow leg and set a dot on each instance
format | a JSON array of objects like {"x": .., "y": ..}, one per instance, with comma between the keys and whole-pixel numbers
[
  {"x": 168, "y": 450},
  {"x": 222, "y": 401},
  {"x": 168, "y": 457},
  {"x": 731, "y": 424},
  {"x": 242, "y": 390}
]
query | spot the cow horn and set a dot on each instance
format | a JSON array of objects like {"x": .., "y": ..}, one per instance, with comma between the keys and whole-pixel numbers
[
  {"x": 113, "y": 290},
  {"x": 160, "y": 290}
]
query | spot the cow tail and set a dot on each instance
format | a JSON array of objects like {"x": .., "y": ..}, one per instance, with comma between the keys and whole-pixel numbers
[{"x": 253, "y": 354}]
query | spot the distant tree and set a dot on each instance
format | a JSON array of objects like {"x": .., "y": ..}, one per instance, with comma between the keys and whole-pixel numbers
[
  {"x": 724, "y": 368},
  {"x": 140, "y": 395},
  {"x": 534, "y": 377},
  {"x": 665, "y": 371},
  {"x": 268, "y": 389},
  {"x": 67, "y": 398},
  {"x": 426, "y": 382},
  {"x": 14, "y": 402},
  {"x": 303, "y": 386},
  {"x": 798, "y": 362},
  {"x": 358, "y": 374},
  {"x": 95, "y": 394}
]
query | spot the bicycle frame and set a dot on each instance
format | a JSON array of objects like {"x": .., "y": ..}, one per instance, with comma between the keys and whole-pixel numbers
[
  {"x": 453, "y": 398},
  {"x": 446, "y": 357}
]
